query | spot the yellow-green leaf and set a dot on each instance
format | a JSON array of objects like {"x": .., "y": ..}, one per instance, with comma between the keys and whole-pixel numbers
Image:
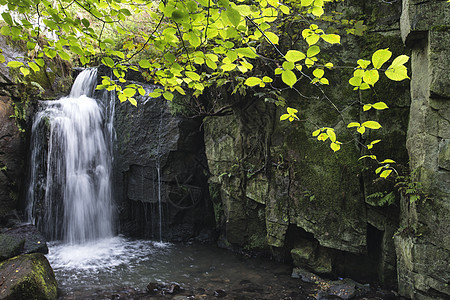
[
  {"x": 371, "y": 76},
  {"x": 385, "y": 173},
  {"x": 14, "y": 64},
  {"x": 168, "y": 95},
  {"x": 371, "y": 125},
  {"x": 24, "y": 71},
  {"x": 331, "y": 135},
  {"x": 312, "y": 51},
  {"x": 331, "y": 38},
  {"x": 380, "y": 105},
  {"x": 294, "y": 56},
  {"x": 252, "y": 81},
  {"x": 318, "y": 73},
  {"x": 353, "y": 124},
  {"x": 388, "y": 161},
  {"x": 228, "y": 67},
  {"x": 192, "y": 75},
  {"x": 233, "y": 16},
  {"x": 397, "y": 73},
  {"x": 380, "y": 57},
  {"x": 272, "y": 37},
  {"x": 289, "y": 77},
  {"x": 335, "y": 147}
]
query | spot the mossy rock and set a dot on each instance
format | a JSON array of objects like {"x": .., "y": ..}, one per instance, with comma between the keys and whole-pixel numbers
[
  {"x": 27, "y": 277},
  {"x": 10, "y": 246}
]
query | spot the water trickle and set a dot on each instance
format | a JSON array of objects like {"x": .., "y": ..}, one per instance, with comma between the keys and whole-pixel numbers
[{"x": 69, "y": 196}]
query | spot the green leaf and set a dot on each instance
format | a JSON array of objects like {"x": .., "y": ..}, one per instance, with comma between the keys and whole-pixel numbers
[
  {"x": 363, "y": 63},
  {"x": 180, "y": 15},
  {"x": 287, "y": 65},
  {"x": 64, "y": 55},
  {"x": 380, "y": 57},
  {"x": 371, "y": 77},
  {"x": 24, "y": 71},
  {"x": 371, "y": 124},
  {"x": 312, "y": 51},
  {"x": 252, "y": 81},
  {"x": 385, "y": 173},
  {"x": 228, "y": 67},
  {"x": 247, "y": 52},
  {"x": 267, "y": 79},
  {"x": 273, "y": 38},
  {"x": 108, "y": 62},
  {"x": 335, "y": 146},
  {"x": 368, "y": 156},
  {"x": 77, "y": 50},
  {"x": 312, "y": 39},
  {"x": 141, "y": 91},
  {"x": 397, "y": 73},
  {"x": 284, "y": 117},
  {"x": 361, "y": 129},
  {"x": 129, "y": 92},
  {"x": 40, "y": 62},
  {"x": 400, "y": 60},
  {"x": 331, "y": 38},
  {"x": 145, "y": 64},
  {"x": 294, "y": 56},
  {"x": 289, "y": 77},
  {"x": 168, "y": 95},
  {"x": 233, "y": 16},
  {"x": 318, "y": 73},
  {"x": 366, "y": 107},
  {"x": 31, "y": 45},
  {"x": 292, "y": 111},
  {"x": 8, "y": 19},
  {"x": 14, "y": 64},
  {"x": 306, "y": 2},
  {"x": 388, "y": 161},
  {"x": 34, "y": 66},
  {"x": 355, "y": 81},
  {"x": 192, "y": 75},
  {"x": 132, "y": 101},
  {"x": 380, "y": 106},
  {"x": 353, "y": 124},
  {"x": 331, "y": 135},
  {"x": 317, "y": 11},
  {"x": 316, "y": 132}
]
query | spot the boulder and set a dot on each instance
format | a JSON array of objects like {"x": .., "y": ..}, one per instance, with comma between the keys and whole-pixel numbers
[
  {"x": 10, "y": 246},
  {"x": 27, "y": 276},
  {"x": 34, "y": 241}
]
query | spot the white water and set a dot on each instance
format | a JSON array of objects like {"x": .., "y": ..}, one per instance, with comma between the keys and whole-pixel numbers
[{"x": 77, "y": 206}]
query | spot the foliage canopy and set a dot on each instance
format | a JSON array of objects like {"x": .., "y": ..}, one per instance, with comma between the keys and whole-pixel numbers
[{"x": 196, "y": 44}]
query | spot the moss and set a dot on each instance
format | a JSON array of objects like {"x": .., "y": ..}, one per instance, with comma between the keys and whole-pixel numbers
[{"x": 440, "y": 28}]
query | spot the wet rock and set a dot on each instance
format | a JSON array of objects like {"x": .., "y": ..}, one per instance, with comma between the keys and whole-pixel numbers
[
  {"x": 9, "y": 246},
  {"x": 35, "y": 242},
  {"x": 27, "y": 276},
  {"x": 154, "y": 288},
  {"x": 173, "y": 289},
  {"x": 219, "y": 293}
]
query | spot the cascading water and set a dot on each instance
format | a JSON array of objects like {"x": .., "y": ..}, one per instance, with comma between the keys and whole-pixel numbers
[{"x": 69, "y": 196}]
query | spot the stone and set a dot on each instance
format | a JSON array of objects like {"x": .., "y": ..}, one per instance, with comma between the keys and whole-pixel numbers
[
  {"x": 10, "y": 246},
  {"x": 35, "y": 242},
  {"x": 27, "y": 276},
  {"x": 159, "y": 160}
]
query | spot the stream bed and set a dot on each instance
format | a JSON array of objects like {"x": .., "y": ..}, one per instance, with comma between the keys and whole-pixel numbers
[{"x": 122, "y": 268}]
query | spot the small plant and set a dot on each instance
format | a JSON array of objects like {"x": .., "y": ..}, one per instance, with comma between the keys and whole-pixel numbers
[{"x": 414, "y": 190}]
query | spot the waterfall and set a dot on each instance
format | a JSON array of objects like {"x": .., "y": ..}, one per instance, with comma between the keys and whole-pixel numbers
[{"x": 69, "y": 196}]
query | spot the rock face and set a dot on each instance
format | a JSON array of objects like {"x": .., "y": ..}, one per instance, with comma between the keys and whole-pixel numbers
[
  {"x": 18, "y": 96},
  {"x": 423, "y": 245},
  {"x": 26, "y": 277},
  {"x": 160, "y": 172},
  {"x": 275, "y": 186}
]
